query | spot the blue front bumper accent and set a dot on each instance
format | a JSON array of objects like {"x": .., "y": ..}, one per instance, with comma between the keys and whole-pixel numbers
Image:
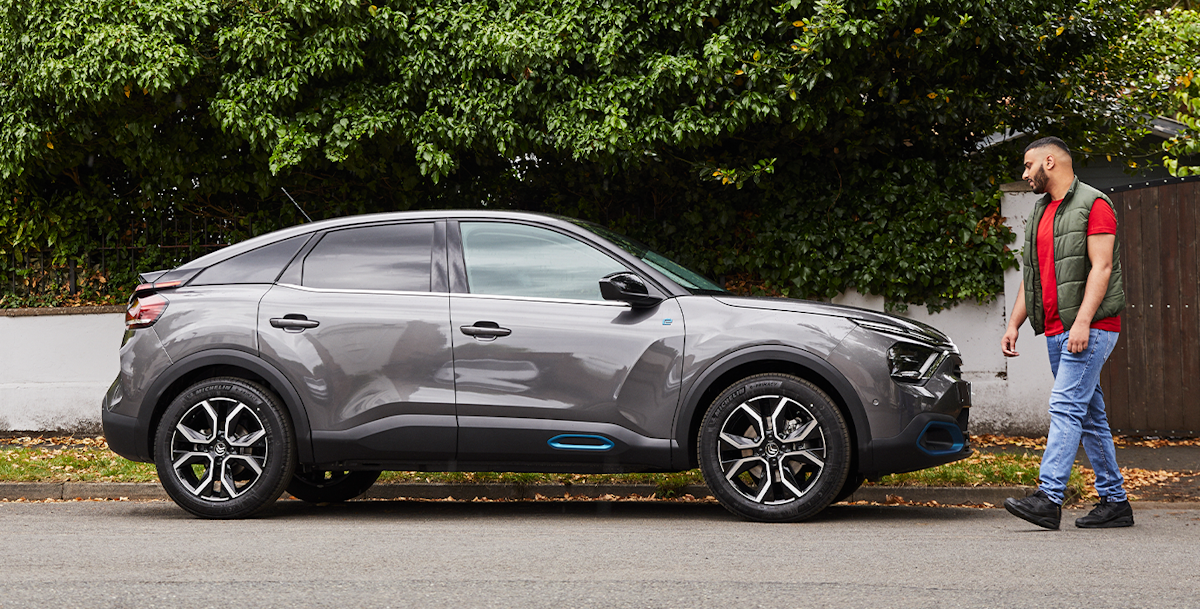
[{"x": 941, "y": 438}]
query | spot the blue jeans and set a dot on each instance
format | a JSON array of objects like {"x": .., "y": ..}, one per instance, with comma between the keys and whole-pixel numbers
[{"x": 1077, "y": 413}]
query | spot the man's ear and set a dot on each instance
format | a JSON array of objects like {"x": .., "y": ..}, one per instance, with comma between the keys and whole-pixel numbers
[{"x": 1050, "y": 161}]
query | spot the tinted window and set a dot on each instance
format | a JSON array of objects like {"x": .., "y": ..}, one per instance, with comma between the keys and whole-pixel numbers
[
  {"x": 389, "y": 257},
  {"x": 520, "y": 260},
  {"x": 260, "y": 265}
]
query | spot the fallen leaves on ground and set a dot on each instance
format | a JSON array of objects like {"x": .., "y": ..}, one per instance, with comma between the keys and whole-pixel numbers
[
  {"x": 76, "y": 500},
  {"x": 563, "y": 499},
  {"x": 897, "y": 500},
  {"x": 1135, "y": 479},
  {"x": 1039, "y": 443},
  {"x": 31, "y": 441},
  {"x": 1154, "y": 442},
  {"x": 988, "y": 439}
]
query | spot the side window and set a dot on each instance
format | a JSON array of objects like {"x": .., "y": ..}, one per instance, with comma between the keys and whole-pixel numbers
[
  {"x": 519, "y": 260},
  {"x": 388, "y": 257},
  {"x": 260, "y": 265}
]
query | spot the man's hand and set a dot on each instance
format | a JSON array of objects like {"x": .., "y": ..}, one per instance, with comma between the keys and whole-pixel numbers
[
  {"x": 1008, "y": 345},
  {"x": 1077, "y": 340}
]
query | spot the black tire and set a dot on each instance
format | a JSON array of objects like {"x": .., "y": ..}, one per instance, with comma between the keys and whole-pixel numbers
[
  {"x": 317, "y": 486},
  {"x": 853, "y": 483},
  {"x": 774, "y": 448},
  {"x": 224, "y": 448}
]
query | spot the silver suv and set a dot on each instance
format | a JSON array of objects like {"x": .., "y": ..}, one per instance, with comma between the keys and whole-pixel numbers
[{"x": 315, "y": 357}]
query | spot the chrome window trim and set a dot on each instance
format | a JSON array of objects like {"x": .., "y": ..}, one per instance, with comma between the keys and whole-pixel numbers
[
  {"x": 603, "y": 303},
  {"x": 304, "y": 288}
]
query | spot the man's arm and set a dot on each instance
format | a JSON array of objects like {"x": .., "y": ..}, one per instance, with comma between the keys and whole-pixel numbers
[
  {"x": 1100, "y": 251},
  {"x": 1008, "y": 345}
]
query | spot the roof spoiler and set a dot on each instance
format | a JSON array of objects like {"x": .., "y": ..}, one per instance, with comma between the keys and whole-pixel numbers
[{"x": 153, "y": 281}]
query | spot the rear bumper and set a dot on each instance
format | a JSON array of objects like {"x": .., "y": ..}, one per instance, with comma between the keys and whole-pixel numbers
[{"x": 123, "y": 433}]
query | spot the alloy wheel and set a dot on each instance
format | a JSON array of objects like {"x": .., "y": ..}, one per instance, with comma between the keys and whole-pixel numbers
[
  {"x": 219, "y": 449},
  {"x": 772, "y": 449}
]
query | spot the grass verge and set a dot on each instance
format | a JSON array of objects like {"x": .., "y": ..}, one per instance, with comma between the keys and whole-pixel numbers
[
  {"x": 990, "y": 469},
  {"x": 64, "y": 459},
  {"x": 70, "y": 463}
]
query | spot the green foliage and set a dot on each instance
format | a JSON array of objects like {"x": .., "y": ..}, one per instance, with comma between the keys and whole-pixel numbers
[
  {"x": 1180, "y": 35},
  {"x": 1156, "y": 64},
  {"x": 810, "y": 146}
]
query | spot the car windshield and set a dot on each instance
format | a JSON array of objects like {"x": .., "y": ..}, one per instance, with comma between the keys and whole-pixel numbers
[{"x": 691, "y": 280}]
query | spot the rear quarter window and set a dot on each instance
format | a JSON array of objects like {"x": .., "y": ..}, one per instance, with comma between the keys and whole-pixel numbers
[{"x": 262, "y": 265}]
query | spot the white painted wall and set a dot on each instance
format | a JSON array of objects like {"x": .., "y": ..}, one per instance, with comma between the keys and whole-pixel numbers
[
  {"x": 54, "y": 370},
  {"x": 1026, "y": 408}
]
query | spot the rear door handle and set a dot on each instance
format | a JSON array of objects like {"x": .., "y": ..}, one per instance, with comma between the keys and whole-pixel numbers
[
  {"x": 485, "y": 330},
  {"x": 294, "y": 323}
]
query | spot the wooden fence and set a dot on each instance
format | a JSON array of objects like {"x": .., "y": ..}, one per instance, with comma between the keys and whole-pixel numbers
[{"x": 1152, "y": 380}]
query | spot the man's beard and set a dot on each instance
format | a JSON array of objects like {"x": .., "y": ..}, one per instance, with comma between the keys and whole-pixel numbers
[{"x": 1039, "y": 181}]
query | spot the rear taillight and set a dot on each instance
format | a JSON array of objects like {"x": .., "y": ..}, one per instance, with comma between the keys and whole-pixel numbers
[{"x": 144, "y": 311}]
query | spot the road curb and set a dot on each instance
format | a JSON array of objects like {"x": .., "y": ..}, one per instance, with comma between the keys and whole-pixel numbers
[
  {"x": 31, "y": 491},
  {"x": 945, "y": 495},
  {"x": 113, "y": 490},
  {"x": 40, "y": 491},
  {"x": 522, "y": 491}
]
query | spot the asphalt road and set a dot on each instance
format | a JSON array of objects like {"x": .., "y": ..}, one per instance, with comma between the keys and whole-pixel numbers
[{"x": 411, "y": 554}]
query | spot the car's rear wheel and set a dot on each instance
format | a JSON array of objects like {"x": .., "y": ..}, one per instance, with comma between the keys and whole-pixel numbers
[
  {"x": 321, "y": 486},
  {"x": 224, "y": 448},
  {"x": 774, "y": 448}
]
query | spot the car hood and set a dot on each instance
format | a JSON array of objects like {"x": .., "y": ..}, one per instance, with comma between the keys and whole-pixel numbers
[{"x": 901, "y": 324}]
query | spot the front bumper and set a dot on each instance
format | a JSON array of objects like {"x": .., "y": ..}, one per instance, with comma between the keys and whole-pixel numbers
[{"x": 930, "y": 439}]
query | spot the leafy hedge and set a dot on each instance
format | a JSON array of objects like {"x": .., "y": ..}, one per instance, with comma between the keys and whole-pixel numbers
[{"x": 802, "y": 147}]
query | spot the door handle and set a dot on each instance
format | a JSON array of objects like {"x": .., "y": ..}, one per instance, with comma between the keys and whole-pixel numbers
[
  {"x": 485, "y": 329},
  {"x": 294, "y": 323}
]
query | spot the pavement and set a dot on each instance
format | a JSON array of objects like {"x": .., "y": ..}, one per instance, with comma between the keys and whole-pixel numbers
[{"x": 609, "y": 555}]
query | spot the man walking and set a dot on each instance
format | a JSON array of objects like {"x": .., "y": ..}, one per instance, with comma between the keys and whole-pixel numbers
[{"x": 1072, "y": 291}]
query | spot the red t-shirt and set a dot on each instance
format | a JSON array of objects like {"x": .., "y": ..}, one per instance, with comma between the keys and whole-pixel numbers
[{"x": 1102, "y": 221}]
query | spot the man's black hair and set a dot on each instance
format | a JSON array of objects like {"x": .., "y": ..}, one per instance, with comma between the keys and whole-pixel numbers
[{"x": 1050, "y": 141}]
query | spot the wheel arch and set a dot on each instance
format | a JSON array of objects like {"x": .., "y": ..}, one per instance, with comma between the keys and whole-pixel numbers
[
  {"x": 225, "y": 362},
  {"x": 766, "y": 359}
]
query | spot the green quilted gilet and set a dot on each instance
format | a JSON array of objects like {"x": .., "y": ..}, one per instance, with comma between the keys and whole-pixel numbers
[{"x": 1071, "y": 264}]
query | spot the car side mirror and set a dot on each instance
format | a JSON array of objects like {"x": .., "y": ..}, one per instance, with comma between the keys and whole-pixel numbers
[{"x": 627, "y": 287}]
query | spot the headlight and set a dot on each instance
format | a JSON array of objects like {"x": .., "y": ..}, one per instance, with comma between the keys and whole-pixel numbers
[
  {"x": 912, "y": 363},
  {"x": 930, "y": 336}
]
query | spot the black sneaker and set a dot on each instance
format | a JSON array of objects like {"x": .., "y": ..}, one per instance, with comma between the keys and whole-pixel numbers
[
  {"x": 1036, "y": 508},
  {"x": 1107, "y": 514}
]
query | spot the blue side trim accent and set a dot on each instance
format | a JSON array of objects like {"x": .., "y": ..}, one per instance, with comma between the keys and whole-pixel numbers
[
  {"x": 956, "y": 437},
  {"x": 574, "y": 441}
]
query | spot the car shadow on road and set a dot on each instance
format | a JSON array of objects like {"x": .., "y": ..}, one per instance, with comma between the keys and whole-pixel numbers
[{"x": 633, "y": 510}]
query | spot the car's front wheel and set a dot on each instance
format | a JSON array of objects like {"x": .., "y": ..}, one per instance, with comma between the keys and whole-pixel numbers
[
  {"x": 224, "y": 448},
  {"x": 774, "y": 448},
  {"x": 319, "y": 486}
]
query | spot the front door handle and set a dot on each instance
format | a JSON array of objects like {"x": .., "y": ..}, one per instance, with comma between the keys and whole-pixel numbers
[
  {"x": 485, "y": 330},
  {"x": 294, "y": 323}
]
